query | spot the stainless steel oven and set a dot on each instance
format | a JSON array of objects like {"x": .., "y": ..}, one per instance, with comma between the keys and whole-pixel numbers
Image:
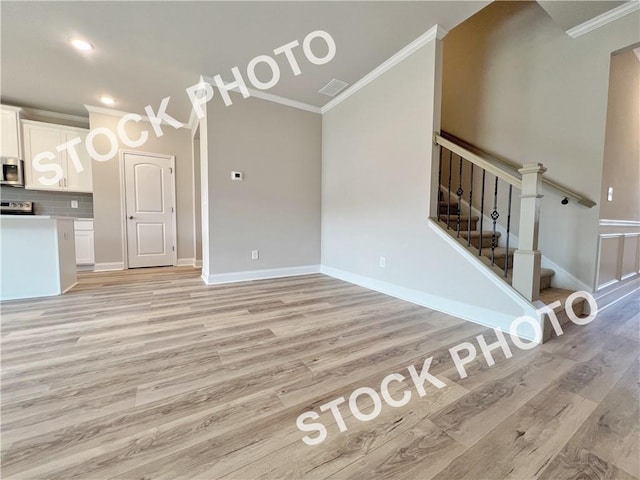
[{"x": 12, "y": 172}]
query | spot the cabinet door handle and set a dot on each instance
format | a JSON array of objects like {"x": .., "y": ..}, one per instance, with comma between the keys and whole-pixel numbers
[{"x": 130, "y": 217}]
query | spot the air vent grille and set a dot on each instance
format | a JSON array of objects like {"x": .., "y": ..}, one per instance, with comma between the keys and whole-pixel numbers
[{"x": 333, "y": 88}]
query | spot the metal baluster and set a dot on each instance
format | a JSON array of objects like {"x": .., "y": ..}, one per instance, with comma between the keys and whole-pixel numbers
[
  {"x": 470, "y": 203},
  {"x": 459, "y": 192},
  {"x": 439, "y": 189},
  {"x": 484, "y": 174},
  {"x": 494, "y": 217},
  {"x": 506, "y": 258},
  {"x": 449, "y": 189}
]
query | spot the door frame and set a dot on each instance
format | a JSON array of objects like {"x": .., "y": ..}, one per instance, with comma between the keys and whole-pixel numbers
[{"x": 123, "y": 202}]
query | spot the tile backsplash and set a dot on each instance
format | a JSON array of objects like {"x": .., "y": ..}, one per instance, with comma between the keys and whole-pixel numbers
[{"x": 51, "y": 203}]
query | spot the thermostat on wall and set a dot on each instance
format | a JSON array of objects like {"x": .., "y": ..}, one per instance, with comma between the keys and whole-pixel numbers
[{"x": 236, "y": 176}]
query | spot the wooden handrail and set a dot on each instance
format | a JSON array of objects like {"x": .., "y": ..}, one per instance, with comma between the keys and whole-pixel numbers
[
  {"x": 508, "y": 171},
  {"x": 513, "y": 179}
]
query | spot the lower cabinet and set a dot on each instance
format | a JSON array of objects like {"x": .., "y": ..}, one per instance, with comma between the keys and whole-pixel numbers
[{"x": 84, "y": 242}]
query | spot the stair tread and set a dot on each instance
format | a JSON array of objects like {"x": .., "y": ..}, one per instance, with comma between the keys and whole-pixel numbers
[
  {"x": 550, "y": 295},
  {"x": 544, "y": 272}
]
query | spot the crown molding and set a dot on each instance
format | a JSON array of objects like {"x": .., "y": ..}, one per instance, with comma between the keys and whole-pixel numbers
[
  {"x": 60, "y": 116},
  {"x": 604, "y": 19},
  {"x": 12, "y": 108},
  {"x": 122, "y": 113},
  {"x": 269, "y": 97},
  {"x": 435, "y": 32}
]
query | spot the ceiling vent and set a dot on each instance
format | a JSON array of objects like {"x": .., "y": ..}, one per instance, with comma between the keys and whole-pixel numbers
[{"x": 333, "y": 88}]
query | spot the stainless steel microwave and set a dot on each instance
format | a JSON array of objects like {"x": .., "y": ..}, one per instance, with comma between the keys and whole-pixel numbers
[{"x": 12, "y": 172}]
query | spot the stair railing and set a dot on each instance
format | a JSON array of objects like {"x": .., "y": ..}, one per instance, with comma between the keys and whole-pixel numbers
[
  {"x": 528, "y": 179},
  {"x": 564, "y": 192}
]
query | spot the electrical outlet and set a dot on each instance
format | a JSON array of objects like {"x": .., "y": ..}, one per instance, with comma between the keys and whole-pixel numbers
[
  {"x": 74, "y": 203},
  {"x": 610, "y": 194},
  {"x": 383, "y": 262},
  {"x": 255, "y": 254}
]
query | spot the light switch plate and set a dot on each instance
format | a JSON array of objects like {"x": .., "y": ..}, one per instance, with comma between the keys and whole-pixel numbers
[
  {"x": 74, "y": 203},
  {"x": 239, "y": 176}
]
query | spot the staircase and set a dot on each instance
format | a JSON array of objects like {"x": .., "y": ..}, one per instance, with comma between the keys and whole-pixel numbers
[
  {"x": 468, "y": 175},
  {"x": 465, "y": 230}
]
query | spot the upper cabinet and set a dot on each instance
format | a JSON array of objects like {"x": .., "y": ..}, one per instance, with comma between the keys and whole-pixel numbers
[
  {"x": 11, "y": 146},
  {"x": 46, "y": 137}
]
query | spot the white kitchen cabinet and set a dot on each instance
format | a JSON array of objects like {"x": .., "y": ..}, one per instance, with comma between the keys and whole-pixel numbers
[
  {"x": 11, "y": 146},
  {"x": 84, "y": 242},
  {"x": 46, "y": 137}
]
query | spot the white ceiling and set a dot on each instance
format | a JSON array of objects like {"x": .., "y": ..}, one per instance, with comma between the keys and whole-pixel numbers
[{"x": 145, "y": 51}]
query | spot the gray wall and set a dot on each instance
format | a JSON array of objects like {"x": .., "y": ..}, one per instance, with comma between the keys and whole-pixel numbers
[
  {"x": 377, "y": 170},
  {"x": 197, "y": 197},
  {"x": 106, "y": 186},
  {"x": 276, "y": 208},
  {"x": 51, "y": 203},
  {"x": 516, "y": 85}
]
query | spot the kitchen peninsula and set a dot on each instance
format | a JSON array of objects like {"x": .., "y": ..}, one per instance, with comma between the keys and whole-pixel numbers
[{"x": 38, "y": 256}]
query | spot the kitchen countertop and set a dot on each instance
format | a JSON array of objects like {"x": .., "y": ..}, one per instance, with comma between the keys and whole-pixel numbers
[{"x": 39, "y": 217}]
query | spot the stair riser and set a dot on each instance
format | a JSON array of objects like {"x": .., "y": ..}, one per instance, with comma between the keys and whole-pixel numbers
[
  {"x": 464, "y": 224},
  {"x": 545, "y": 282},
  {"x": 453, "y": 209},
  {"x": 579, "y": 308},
  {"x": 486, "y": 242},
  {"x": 500, "y": 261}
]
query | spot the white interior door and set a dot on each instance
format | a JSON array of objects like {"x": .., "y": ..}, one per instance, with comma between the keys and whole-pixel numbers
[{"x": 149, "y": 210}]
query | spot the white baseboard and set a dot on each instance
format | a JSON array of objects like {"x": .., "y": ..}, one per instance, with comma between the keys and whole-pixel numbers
[
  {"x": 605, "y": 299},
  {"x": 108, "y": 267},
  {"x": 84, "y": 268},
  {"x": 454, "y": 308},
  {"x": 186, "y": 262},
  {"x": 232, "y": 277},
  {"x": 198, "y": 263},
  {"x": 69, "y": 288}
]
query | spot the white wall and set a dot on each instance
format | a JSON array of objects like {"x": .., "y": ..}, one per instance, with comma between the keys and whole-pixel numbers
[
  {"x": 377, "y": 159},
  {"x": 516, "y": 85}
]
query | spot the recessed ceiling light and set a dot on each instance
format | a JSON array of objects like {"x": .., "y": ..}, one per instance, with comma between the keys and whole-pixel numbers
[
  {"x": 107, "y": 100},
  {"x": 81, "y": 44}
]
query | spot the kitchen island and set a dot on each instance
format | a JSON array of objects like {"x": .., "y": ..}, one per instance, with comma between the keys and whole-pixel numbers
[{"x": 37, "y": 256}]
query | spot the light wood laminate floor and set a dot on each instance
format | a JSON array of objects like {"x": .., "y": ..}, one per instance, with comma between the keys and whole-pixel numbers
[{"x": 151, "y": 374}]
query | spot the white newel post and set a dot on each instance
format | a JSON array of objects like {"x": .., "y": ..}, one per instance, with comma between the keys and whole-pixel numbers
[{"x": 526, "y": 259}]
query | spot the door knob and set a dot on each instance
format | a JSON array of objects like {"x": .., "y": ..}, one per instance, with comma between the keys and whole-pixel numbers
[{"x": 130, "y": 217}]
